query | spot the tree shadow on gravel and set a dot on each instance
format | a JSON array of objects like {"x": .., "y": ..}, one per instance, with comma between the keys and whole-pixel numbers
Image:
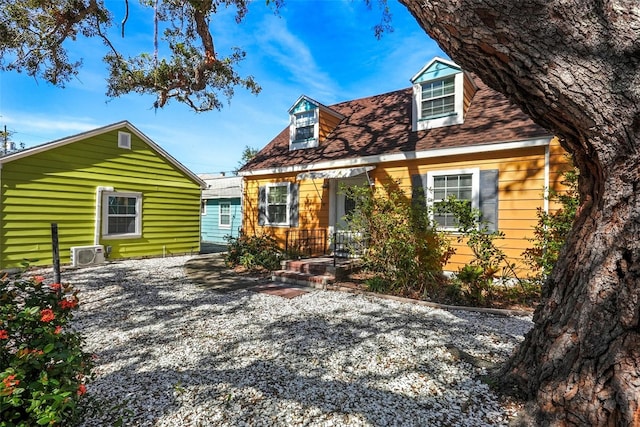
[{"x": 244, "y": 357}]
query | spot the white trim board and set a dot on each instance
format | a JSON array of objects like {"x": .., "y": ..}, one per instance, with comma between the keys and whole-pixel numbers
[{"x": 394, "y": 157}]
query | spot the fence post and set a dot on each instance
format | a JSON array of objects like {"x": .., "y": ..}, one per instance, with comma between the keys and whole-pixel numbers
[{"x": 56, "y": 252}]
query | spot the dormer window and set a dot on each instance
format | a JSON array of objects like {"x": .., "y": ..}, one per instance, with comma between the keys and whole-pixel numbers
[
  {"x": 305, "y": 126},
  {"x": 310, "y": 123},
  {"x": 438, "y": 98},
  {"x": 441, "y": 90}
]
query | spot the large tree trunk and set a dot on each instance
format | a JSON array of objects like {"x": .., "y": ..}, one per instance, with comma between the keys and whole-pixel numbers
[{"x": 573, "y": 66}]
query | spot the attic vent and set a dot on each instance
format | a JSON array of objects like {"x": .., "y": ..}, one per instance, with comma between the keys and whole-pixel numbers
[{"x": 124, "y": 140}]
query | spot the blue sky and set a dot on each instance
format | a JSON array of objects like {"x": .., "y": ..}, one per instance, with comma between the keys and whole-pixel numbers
[{"x": 324, "y": 49}]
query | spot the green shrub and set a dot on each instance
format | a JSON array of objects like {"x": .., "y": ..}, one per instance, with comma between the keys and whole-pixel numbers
[
  {"x": 489, "y": 261},
  {"x": 254, "y": 252},
  {"x": 552, "y": 229},
  {"x": 404, "y": 250},
  {"x": 43, "y": 366}
]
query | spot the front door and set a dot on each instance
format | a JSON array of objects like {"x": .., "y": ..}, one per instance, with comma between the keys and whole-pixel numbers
[
  {"x": 344, "y": 241},
  {"x": 345, "y": 205}
]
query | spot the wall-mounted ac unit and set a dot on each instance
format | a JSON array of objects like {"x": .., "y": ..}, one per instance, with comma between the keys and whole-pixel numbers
[{"x": 87, "y": 255}]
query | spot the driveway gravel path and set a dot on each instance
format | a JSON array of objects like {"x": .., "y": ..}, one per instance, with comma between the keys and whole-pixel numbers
[{"x": 173, "y": 353}]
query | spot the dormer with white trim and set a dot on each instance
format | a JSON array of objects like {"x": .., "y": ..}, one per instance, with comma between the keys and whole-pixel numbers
[
  {"x": 442, "y": 91},
  {"x": 310, "y": 122}
]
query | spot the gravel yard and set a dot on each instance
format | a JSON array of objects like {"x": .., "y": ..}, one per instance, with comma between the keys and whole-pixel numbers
[{"x": 171, "y": 353}]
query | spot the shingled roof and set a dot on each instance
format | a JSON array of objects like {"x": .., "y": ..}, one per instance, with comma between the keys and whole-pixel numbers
[{"x": 381, "y": 124}]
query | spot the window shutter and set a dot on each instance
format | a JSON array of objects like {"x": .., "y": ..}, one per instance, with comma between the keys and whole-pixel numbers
[
  {"x": 293, "y": 204},
  {"x": 489, "y": 198},
  {"x": 262, "y": 205},
  {"x": 419, "y": 190}
]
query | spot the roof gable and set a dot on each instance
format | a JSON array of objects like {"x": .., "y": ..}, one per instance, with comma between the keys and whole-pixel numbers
[
  {"x": 304, "y": 103},
  {"x": 435, "y": 69},
  {"x": 99, "y": 131}
]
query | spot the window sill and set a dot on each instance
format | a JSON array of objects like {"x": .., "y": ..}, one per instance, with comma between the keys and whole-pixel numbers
[
  {"x": 277, "y": 225},
  {"x": 437, "y": 116},
  {"x": 120, "y": 236}
]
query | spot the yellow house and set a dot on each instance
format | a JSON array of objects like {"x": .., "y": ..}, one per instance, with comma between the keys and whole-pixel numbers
[{"x": 446, "y": 134}]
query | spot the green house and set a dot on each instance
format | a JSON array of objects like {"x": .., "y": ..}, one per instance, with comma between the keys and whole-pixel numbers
[{"x": 112, "y": 192}]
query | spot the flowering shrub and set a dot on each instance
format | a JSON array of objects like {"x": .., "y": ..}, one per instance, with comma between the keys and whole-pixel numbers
[{"x": 43, "y": 366}]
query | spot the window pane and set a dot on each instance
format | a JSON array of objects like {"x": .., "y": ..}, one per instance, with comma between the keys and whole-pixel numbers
[
  {"x": 121, "y": 225},
  {"x": 277, "y": 214},
  {"x": 439, "y": 181},
  {"x": 277, "y": 194},
  {"x": 439, "y": 194},
  {"x": 305, "y": 132},
  {"x": 466, "y": 180},
  {"x": 464, "y": 194}
]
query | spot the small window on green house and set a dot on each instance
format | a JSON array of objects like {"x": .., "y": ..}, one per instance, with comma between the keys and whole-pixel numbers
[{"x": 121, "y": 215}]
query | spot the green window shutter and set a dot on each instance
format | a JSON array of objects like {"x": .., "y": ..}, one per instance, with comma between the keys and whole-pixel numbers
[
  {"x": 293, "y": 208},
  {"x": 419, "y": 189},
  {"x": 262, "y": 205},
  {"x": 489, "y": 198}
]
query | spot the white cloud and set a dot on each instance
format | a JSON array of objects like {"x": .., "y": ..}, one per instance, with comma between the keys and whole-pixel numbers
[
  {"x": 37, "y": 128},
  {"x": 295, "y": 59}
]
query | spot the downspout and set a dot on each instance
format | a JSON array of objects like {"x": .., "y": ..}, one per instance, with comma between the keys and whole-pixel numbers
[
  {"x": 547, "y": 168},
  {"x": 98, "y": 221}
]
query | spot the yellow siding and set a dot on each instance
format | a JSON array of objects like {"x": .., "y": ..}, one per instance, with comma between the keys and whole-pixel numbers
[
  {"x": 521, "y": 193},
  {"x": 313, "y": 206}
]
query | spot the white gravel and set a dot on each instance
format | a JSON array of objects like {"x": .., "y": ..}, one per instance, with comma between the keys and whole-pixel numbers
[{"x": 171, "y": 353}]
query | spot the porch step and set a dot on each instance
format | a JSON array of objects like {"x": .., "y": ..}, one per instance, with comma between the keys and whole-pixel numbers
[
  {"x": 314, "y": 266},
  {"x": 302, "y": 279},
  {"x": 314, "y": 272}
]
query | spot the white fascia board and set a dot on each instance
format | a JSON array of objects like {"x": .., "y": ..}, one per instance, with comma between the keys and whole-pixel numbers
[{"x": 412, "y": 155}]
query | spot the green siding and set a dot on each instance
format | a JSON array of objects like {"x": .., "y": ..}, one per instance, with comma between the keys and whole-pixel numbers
[{"x": 59, "y": 185}]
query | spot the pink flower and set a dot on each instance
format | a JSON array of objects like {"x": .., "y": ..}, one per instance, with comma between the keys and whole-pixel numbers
[
  {"x": 55, "y": 286},
  {"x": 4, "y": 334},
  {"x": 58, "y": 330},
  {"x": 38, "y": 279},
  {"x": 47, "y": 315}
]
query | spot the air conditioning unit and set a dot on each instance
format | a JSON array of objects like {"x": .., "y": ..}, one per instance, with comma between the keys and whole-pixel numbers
[{"x": 87, "y": 255}]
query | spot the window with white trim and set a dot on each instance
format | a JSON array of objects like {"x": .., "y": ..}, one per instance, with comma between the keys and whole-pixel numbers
[
  {"x": 203, "y": 207},
  {"x": 438, "y": 98},
  {"x": 462, "y": 184},
  {"x": 277, "y": 204},
  {"x": 304, "y": 129},
  {"x": 121, "y": 215},
  {"x": 224, "y": 219}
]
